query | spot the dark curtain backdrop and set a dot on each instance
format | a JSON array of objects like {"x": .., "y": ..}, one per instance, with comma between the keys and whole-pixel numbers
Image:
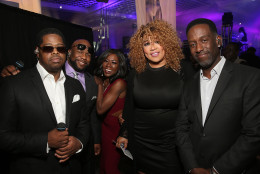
[{"x": 18, "y": 29}]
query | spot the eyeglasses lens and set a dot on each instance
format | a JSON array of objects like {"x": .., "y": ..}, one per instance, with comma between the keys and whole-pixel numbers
[
  {"x": 49, "y": 49},
  {"x": 81, "y": 47}
]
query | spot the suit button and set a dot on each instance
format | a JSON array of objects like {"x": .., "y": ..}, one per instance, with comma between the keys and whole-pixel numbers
[{"x": 203, "y": 134}]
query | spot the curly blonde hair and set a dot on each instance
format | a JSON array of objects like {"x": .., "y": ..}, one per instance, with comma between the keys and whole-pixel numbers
[{"x": 168, "y": 39}]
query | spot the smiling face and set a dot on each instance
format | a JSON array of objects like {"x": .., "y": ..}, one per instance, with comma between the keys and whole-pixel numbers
[
  {"x": 79, "y": 59},
  {"x": 51, "y": 61},
  {"x": 110, "y": 65},
  {"x": 154, "y": 52},
  {"x": 204, "y": 45}
]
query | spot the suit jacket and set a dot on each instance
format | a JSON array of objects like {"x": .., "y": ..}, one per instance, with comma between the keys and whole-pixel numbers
[
  {"x": 230, "y": 137},
  {"x": 88, "y": 156},
  {"x": 91, "y": 98},
  {"x": 27, "y": 117}
]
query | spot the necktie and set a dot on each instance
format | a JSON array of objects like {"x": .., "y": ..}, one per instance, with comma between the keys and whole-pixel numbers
[{"x": 75, "y": 75}]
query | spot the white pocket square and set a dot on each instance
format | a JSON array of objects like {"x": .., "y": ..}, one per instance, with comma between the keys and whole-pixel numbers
[
  {"x": 94, "y": 97},
  {"x": 76, "y": 98}
]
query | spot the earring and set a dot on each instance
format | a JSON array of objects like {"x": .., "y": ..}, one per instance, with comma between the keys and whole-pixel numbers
[
  {"x": 68, "y": 55},
  {"x": 36, "y": 51}
]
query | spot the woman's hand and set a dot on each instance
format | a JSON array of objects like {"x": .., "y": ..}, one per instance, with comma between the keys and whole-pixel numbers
[
  {"x": 98, "y": 80},
  {"x": 121, "y": 140},
  {"x": 119, "y": 114},
  {"x": 120, "y": 119}
]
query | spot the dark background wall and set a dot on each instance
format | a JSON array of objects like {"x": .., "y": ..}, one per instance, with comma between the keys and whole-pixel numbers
[{"x": 18, "y": 29}]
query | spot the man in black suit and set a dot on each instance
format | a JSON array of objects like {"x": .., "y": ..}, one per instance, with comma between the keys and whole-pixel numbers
[
  {"x": 218, "y": 128},
  {"x": 33, "y": 103},
  {"x": 79, "y": 58}
]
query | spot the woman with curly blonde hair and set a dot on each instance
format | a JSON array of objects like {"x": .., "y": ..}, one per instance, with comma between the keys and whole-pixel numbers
[{"x": 153, "y": 93}]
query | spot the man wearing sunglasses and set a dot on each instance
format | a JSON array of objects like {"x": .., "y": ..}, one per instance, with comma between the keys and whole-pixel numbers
[
  {"x": 33, "y": 102},
  {"x": 78, "y": 60}
]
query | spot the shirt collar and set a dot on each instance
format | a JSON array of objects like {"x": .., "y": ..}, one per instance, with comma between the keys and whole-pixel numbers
[
  {"x": 70, "y": 70},
  {"x": 43, "y": 73},
  {"x": 217, "y": 68}
]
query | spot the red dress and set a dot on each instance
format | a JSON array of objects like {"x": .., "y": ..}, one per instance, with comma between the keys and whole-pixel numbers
[{"x": 110, "y": 155}]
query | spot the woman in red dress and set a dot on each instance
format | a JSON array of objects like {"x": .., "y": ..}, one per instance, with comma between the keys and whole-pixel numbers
[{"x": 110, "y": 74}]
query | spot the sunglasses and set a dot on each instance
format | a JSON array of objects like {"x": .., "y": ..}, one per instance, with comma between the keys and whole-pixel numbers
[
  {"x": 83, "y": 47},
  {"x": 49, "y": 49}
]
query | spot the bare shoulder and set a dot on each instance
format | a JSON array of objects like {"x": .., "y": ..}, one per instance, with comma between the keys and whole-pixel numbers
[{"x": 119, "y": 84}]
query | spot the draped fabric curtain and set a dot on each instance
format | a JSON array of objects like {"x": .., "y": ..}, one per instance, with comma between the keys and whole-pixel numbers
[
  {"x": 148, "y": 10},
  {"x": 18, "y": 29}
]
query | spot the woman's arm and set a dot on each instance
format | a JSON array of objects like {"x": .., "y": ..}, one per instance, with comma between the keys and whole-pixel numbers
[{"x": 104, "y": 103}]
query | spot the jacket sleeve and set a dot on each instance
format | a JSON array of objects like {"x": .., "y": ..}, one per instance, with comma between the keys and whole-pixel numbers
[
  {"x": 183, "y": 141},
  {"x": 128, "y": 107},
  {"x": 95, "y": 125},
  {"x": 12, "y": 140}
]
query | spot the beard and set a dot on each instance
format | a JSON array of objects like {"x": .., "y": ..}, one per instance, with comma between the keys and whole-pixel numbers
[
  {"x": 207, "y": 63},
  {"x": 75, "y": 66}
]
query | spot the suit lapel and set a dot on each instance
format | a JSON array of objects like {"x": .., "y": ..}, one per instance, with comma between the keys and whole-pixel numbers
[
  {"x": 220, "y": 87},
  {"x": 69, "y": 97},
  {"x": 197, "y": 97},
  {"x": 39, "y": 86}
]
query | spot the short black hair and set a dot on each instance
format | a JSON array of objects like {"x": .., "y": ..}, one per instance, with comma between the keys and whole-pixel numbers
[
  {"x": 241, "y": 29},
  {"x": 252, "y": 49},
  {"x": 122, "y": 64},
  {"x": 210, "y": 23},
  {"x": 46, "y": 31}
]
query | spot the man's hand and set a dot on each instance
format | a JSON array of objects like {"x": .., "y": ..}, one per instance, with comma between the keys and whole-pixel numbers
[
  {"x": 58, "y": 139},
  {"x": 97, "y": 149},
  {"x": 9, "y": 70},
  {"x": 66, "y": 152},
  {"x": 200, "y": 171}
]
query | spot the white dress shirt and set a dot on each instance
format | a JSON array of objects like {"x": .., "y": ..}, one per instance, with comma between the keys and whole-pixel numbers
[
  {"x": 56, "y": 94},
  {"x": 207, "y": 87},
  {"x": 55, "y": 91}
]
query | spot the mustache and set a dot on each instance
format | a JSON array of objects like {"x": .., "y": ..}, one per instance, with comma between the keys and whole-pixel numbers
[
  {"x": 202, "y": 52},
  {"x": 82, "y": 60},
  {"x": 55, "y": 57}
]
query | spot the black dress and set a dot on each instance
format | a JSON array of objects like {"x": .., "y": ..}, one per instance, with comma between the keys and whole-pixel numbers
[{"x": 156, "y": 95}]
